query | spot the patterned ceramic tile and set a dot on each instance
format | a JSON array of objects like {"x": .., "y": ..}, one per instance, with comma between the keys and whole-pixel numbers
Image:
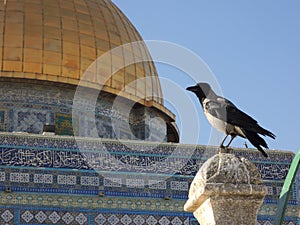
[
  {"x": 3, "y": 119},
  {"x": 64, "y": 124},
  {"x": 54, "y": 217},
  {"x": 53, "y": 167},
  {"x": 7, "y": 216},
  {"x": 27, "y": 108}
]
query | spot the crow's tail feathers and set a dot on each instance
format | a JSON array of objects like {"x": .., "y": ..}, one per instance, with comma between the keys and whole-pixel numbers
[
  {"x": 257, "y": 141},
  {"x": 266, "y": 132}
]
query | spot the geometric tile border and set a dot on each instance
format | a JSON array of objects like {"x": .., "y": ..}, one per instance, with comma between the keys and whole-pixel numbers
[
  {"x": 90, "y": 202},
  {"x": 64, "y": 217}
]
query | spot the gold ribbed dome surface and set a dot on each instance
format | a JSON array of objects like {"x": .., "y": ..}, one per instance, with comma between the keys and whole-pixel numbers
[{"x": 57, "y": 40}]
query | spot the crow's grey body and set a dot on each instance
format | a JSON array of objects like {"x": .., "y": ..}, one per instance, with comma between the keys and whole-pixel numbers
[{"x": 226, "y": 117}]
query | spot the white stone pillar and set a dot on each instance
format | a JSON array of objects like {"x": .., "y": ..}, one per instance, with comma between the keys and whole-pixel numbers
[{"x": 226, "y": 191}]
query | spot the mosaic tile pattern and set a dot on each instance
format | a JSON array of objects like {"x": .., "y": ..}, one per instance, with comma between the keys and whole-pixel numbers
[
  {"x": 64, "y": 124},
  {"x": 116, "y": 156},
  {"x": 31, "y": 216},
  {"x": 92, "y": 183},
  {"x": 3, "y": 119},
  {"x": 26, "y": 107},
  {"x": 40, "y": 173}
]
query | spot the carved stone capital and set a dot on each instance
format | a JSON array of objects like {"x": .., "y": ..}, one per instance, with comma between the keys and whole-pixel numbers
[{"x": 226, "y": 190}]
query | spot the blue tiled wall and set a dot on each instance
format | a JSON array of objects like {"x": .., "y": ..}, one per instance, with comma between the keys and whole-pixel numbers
[{"x": 60, "y": 180}]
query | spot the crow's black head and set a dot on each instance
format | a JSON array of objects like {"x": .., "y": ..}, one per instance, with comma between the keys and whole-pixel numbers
[{"x": 201, "y": 90}]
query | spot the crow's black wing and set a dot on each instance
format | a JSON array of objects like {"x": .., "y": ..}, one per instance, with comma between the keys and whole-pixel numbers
[
  {"x": 228, "y": 112},
  {"x": 237, "y": 117},
  {"x": 225, "y": 110}
]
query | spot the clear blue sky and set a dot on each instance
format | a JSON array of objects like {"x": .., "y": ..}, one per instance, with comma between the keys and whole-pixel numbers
[{"x": 252, "y": 47}]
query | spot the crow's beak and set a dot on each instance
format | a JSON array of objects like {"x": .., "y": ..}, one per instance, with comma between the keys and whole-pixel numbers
[{"x": 192, "y": 88}]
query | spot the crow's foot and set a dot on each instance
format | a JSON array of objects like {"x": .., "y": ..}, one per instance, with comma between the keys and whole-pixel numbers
[{"x": 225, "y": 149}]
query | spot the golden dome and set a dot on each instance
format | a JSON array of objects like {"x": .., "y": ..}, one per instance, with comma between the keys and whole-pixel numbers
[{"x": 58, "y": 40}]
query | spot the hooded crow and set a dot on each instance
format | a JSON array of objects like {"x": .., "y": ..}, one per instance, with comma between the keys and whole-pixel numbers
[{"x": 226, "y": 117}]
